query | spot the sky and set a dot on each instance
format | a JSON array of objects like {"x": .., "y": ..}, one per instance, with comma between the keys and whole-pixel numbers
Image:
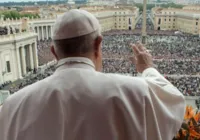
[{"x": 21, "y": 0}]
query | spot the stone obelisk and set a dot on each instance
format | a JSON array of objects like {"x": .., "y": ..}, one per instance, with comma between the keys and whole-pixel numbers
[{"x": 144, "y": 17}]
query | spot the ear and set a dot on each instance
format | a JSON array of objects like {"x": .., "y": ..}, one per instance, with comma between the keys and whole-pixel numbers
[
  {"x": 53, "y": 52},
  {"x": 97, "y": 45}
]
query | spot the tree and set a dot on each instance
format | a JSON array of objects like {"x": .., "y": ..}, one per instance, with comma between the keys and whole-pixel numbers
[
  {"x": 17, "y": 15},
  {"x": 150, "y": 6}
]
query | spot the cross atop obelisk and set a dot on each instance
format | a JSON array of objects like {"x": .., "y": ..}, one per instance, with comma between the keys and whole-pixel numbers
[{"x": 144, "y": 16}]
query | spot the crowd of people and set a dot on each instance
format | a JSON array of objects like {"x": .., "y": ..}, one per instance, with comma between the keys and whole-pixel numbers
[
  {"x": 188, "y": 85},
  {"x": 44, "y": 51},
  {"x": 174, "y": 55},
  {"x": 5, "y": 84},
  {"x": 28, "y": 80}
]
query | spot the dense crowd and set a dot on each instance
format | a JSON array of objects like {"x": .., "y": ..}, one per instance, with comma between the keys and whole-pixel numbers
[
  {"x": 168, "y": 67},
  {"x": 32, "y": 78},
  {"x": 188, "y": 85},
  {"x": 162, "y": 46},
  {"x": 175, "y": 47},
  {"x": 178, "y": 67},
  {"x": 173, "y": 56},
  {"x": 44, "y": 52}
]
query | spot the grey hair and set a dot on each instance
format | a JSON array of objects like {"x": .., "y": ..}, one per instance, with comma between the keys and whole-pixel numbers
[{"x": 78, "y": 45}]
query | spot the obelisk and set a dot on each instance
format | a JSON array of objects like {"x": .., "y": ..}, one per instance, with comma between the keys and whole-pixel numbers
[{"x": 144, "y": 16}]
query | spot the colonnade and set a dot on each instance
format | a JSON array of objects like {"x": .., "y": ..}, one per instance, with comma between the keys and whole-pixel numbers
[
  {"x": 44, "y": 32},
  {"x": 26, "y": 59}
]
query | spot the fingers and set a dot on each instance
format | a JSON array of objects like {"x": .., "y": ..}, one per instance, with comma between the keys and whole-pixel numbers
[
  {"x": 140, "y": 46},
  {"x": 135, "y": 49}
]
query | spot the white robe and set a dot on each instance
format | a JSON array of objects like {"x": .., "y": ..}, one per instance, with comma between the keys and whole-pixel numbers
[{"x": 78, "y": 103}]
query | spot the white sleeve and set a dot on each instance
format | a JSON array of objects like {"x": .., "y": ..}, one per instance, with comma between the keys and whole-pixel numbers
[{"x": 166, "y": 101}]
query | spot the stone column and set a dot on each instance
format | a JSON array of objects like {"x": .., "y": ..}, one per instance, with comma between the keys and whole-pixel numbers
[
  {"x": 14, "y": 64},
  {"x": 144, "y": 21},
  {"x": 1, "y": 71},
  {"x": 31, "y": 56},
  {"x": 51, "y": 31},
  {"x": 38, "y": 32},
  {"x": 23, "y": 60},
  {"x": 35, "y": 56},
  {"x": 42, "y": 28},
  {"x": 19, "y": 65},
  {"x": 47, "y": 33}
]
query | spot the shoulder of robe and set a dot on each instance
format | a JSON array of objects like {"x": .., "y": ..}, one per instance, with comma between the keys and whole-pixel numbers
[{"x": 133, "y": 83}]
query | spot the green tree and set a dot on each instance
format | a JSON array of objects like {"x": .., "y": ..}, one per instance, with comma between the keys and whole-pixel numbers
[
  {"x": 17, "y": 15},
  {"x": 150, "y": 6}
]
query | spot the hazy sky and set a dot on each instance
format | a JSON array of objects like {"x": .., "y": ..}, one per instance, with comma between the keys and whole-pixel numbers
[{"x": 20, "y": 0}]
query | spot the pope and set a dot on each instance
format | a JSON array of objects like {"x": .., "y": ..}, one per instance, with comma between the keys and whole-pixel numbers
[{"x": 79, "y": 102}]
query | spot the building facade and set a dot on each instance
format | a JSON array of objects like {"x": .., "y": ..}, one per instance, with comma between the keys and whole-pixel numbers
[
  {"x": 18, "y": 55},
  {"x": 185, "y": 20},
  {"x": 115, "y": 18}
]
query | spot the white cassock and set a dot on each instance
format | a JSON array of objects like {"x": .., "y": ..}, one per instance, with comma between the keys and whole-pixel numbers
[{"x": 78, "y": 103}]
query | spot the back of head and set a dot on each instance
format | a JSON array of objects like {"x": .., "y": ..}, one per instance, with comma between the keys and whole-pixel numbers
[
  {"x": 77, "y": 34},
  {"x": 74, "y": 33}
]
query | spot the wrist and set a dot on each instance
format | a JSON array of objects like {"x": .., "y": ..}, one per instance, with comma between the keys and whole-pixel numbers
[{"x": 141, "y": 70}]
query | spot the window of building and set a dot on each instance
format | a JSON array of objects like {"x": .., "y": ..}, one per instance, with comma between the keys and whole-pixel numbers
[
  {"x": 173, "y": 26},
  {"x": 129, "y": 21},
  {"x": 8, "y": 66},
  {"x": 169, "y": 26},
  {"x": 165, "y": 19},
  {"x": 169, "y": 19},
  {"x": 174, "y": 19},
  {"x": 159, "y": 21},
  {"x": 196, "y": 23}
]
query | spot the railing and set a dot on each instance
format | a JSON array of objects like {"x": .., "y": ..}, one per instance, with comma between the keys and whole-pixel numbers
[
  {"x": 12, "y": 37},
  {"x": 9, "y": 22}
]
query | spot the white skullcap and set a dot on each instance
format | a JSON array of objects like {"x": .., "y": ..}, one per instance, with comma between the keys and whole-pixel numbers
[{"x": 75, "y": 23}]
